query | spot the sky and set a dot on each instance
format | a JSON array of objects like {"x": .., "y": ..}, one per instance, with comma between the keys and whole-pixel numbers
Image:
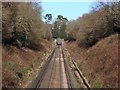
[{"x": 70, "y": 10}]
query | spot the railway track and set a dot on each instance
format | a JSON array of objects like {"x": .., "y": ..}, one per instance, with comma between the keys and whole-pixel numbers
[{"x": 54, "y": 73}]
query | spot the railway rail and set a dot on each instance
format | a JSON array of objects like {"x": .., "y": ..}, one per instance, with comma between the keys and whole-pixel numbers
[{"x": 55, "y": 72}]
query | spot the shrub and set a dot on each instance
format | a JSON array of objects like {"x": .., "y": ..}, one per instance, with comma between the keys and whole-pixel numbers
[
  {"x": 102, "y": 21},
  {"x": 22, "y": 25},
  {"x": 35, "y": 45},
  {"x": 71, "y": 37}
]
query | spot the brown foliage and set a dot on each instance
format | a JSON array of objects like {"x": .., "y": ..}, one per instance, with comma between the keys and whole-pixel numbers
[
  {"x": 101, "y": 22},
  {"x": 22, "y": 24}
]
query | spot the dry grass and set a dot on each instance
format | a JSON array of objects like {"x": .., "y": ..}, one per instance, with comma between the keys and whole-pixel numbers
[
  {"x": 98, "y": 63},
  {"x": 20, "y": 66}
]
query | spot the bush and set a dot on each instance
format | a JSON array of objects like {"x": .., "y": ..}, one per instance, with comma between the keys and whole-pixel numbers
[
  {"x": 35, "y": 45},
  {"x": 22, "y": 25},
  {"x": 71, "y": 37},
  {"x": 101, "y": 22}
]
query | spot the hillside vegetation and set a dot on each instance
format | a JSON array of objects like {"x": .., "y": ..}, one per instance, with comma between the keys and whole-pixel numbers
[
  {"x": 22, "y": 25},
  {"x": 93, "y": 44},
  {"x": 99, "y": 64},
  {"x": 26, "y": 40},
  {"x": 102, "y": 21}
]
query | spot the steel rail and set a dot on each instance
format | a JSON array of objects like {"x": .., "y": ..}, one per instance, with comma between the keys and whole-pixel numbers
[
  {"x": 69, "y": 81},
  {"x": 44, "y": 69},
  {"x": 85, "y": 82}
]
